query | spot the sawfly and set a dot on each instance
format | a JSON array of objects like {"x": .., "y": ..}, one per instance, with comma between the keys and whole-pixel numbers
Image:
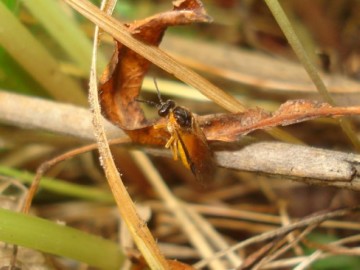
[{"x": 187, "y": 140}]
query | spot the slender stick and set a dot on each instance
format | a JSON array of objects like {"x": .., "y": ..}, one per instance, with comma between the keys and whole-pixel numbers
[
  {"x": 137, "y": 227},
  {"x": 313, "y": 219},
  {"x": 44, "y": 167}
]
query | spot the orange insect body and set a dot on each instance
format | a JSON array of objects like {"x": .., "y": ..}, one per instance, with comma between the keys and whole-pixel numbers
[{"x": 187, "y": 140}]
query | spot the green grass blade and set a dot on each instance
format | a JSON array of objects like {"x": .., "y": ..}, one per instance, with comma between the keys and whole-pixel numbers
[
  {"x": 59, "y": 186},
  {"x": 49, "y": 237},
  {"x": 65, "y": 31},
  {"x": 36, "y": 60}
]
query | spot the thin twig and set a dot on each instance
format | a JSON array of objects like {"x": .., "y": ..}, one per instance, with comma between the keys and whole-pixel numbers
[
  {"x": 227, "y": 213},
  {"x": 292, "y": 244},
  {"x": 307, "y": 164},
  {"x": 313, "y": 219},
  {"x": 309, "y": 260},
  {"x": 44, "y": 167}
]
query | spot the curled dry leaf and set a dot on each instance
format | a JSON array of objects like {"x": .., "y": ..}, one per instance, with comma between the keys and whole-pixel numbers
[{"x": 228, "y": 127}]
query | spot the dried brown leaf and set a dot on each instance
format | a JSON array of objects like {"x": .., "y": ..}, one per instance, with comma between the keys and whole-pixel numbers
[{"x": 228, "y": 127}]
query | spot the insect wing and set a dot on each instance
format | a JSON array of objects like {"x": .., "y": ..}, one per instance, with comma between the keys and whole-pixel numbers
[{"x": 195, "y": 152}]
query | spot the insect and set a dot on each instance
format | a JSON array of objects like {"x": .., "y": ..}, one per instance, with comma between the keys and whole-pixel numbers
[{"x": 187, "y": 139}]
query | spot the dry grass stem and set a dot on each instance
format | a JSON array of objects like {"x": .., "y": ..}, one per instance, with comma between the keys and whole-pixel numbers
[
  {"x": 291, "y": 244},
  {"x": 138, "y": 229},
  {"x": 214, "y": 237},
  {"x": 251, "y": 68},
  {"x": 177, "y": 208},
  {"x": 315, "y": 219}
]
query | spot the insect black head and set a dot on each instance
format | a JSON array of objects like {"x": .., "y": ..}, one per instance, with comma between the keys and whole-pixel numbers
[
  {"x": 165, "y": 107},
  {"x": 183, "y": 117}
]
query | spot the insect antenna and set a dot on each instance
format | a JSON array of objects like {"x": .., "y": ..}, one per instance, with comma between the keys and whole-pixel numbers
[
  {"x": 149, "y": 102},
  {"x": 152, "y": 103},
  {"x": 158, "y": 91}
]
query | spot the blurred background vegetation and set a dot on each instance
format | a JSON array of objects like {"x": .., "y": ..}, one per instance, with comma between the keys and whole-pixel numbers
[{"x": 45, "y": 51}]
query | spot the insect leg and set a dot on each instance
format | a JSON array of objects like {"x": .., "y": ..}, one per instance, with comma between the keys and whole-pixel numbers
[
  {"x": 159, "y": 126},
  {"x": 174, "y": 148}
]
